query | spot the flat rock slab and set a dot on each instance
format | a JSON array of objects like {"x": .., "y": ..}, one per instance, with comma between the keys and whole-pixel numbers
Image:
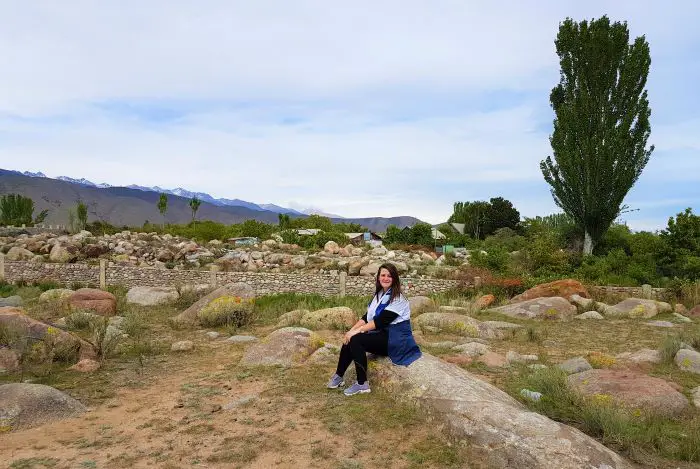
[
  {"x": 494, "y": 424},
  {"x": 284, "y": 347},
  {"x": 631, "y": 389},
  {"x": 555, "y": 307},
  {"x": 25, "y": 405},
  {"x": 454, "y": 323},
  {"x": 563, "y": 288}
]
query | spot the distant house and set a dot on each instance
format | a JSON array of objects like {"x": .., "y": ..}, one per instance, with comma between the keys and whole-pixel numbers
[
  {"x": 458, "y": 227},
  {"x": 366, "y": 237},
  {"x": 244, "y": 241},
  {"x": 308, "y": 231},
  {"x": 437, "y": 234}
]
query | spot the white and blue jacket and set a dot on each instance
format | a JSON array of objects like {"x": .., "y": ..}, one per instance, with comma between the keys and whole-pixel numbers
[{"x": 402, "y": 347}]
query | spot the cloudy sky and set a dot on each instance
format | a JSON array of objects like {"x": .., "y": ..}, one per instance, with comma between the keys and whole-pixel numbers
[{"x": 360, "y": 108}]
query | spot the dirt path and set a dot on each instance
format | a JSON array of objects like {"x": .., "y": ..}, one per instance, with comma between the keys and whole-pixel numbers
[{"x": 203, "y": 411}]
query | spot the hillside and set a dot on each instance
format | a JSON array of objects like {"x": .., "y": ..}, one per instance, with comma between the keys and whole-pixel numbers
[{"x": 132, "y": 207}]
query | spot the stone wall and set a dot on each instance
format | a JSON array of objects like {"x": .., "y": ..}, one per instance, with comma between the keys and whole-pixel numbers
[
  {"x": 626, "y": 292},
  {"x": 330, "y": 284}
]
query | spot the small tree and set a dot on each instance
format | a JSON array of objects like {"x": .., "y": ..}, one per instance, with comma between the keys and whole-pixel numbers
[
  {"x": 284, "y": 221},
  {"x": 82, "y": 214},
  {"x": 163, "y": 206},
  {"x": 601, "y": 123},
  {"x": 194, "y": 205},
  {"x": 17, "y": 210}
]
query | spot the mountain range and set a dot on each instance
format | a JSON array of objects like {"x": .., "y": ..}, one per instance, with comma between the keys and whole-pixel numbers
[{"x": 133, "y": 205}]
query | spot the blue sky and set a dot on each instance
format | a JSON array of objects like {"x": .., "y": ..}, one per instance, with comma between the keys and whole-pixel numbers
[{"x": 360, "y": 109}]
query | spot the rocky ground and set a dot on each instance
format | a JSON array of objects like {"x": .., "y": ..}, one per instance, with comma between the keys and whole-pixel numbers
[
  {"x": 166, "y": 251},
  {"x": 178, "y": 394}
]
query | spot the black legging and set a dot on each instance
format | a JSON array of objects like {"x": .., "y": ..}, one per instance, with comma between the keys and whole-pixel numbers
[{"x": 356, "y": 350}]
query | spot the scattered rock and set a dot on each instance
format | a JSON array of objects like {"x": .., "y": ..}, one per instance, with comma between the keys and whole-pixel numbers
[
  {"x": 454, "y": 323},
  {"x": 531, "y": 395},
  {"x": 659, "y": 324},
  {"x": 641, "y": 308},
  {"x": 575, "y": 365},
  {"x": 86, "y": 365},
  {"x": 559, "y": 288},
  {"x": 284, "y": 347},
  {"x": 9, "y": 361},
  {"x": 152, "y": 296},
  {"x": 212, "y": 335},
  {"x": 236, "y": 290},
  {"x": 56, "y": 294},
  {"x": 472, "y": 349},
  {"x": 680, "y": 308},
  {"x": 14, "y": 300},
  {"x": 493, "y": 360},
  {"x": 484, "y": 301},
  {"x": 17, "y": 253},
  {"x": 630, "y": 389},
  {"x": 642, "y": 356},
  {"x": 241, "y": 402},
  {"x": 515, "y": 357},
  {"x": 291, "y": 318},
  {"x": 421, "y": 304},
  {"x": 336, "y": 318},
  {"x": 455, "y": 309},
  {"x": 458, "y": 359},
  {"x": 694, "y": 312},
  {"x": 688, "y": 360},
  {"x": 680, "y": 318},
  {"x": 241, "y": 339},
  {"x": 327, "y": 354},
  {"x": 497, "y": 427},
  {"x": 25, "y": 405},
  {"x": 94, "y": 301},
  {"x": 695, "y": 393},
  {"x": 581, "y": 302},
  {"x": 182, "y": 346},
  {"x": 590, "y": 315},
  {"x": 555, "y": 308}
]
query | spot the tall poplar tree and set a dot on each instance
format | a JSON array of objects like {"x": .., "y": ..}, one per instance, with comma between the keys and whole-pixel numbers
[{"x": 601, "y": 123}]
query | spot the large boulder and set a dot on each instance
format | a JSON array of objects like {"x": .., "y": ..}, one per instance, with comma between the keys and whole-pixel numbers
[
  {"x": 65, "y": 344},
  {"x": 563, "y": 288},
  {"x": 421, "y": 304},
  {"x": 94, "y": 301},
  {"x": 17, "y": 253},
  {"x": 540, "y": 308},
  {"x": 370, "y": 269},
  {"x": 284, "y": 347},
  {"x": 59, "y": 295},
  {"x": 630, "y": 389},
  {"x": 454, "y": 323},
  {"x": 151, "y": 296},
  {"x": 493, "y": 424},
  {"x": 24, "y": 405},
  {"x": 639, "y": 308},
  {"x": 235, "y": 290},
  {"x": 339, "y": 318},
  {"x": 63, "y": 253},
  {"x": 291, "y": 318},
  {"x": 688, "y": 360}
]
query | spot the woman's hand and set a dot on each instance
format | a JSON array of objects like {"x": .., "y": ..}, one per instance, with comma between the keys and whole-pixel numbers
[{"x": 349, "y": 334}]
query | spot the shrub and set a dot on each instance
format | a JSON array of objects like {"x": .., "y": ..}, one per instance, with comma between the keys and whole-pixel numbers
[
  {"x": 79, "y": 321},
  {"x": 227, "y": 310}
]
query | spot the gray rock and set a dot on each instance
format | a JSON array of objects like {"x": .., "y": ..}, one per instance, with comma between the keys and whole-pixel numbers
[
  {"x": 283, "y": 347},
  {"x": 496, "y": 426},
  {"x": 680, "y": 318},
  {"x": 641, "y": 308},
  {"x": 212, "y": 335},
  {"x": 421, "y": 304},
  {"x": 241, "y": 339},
  {"x": 645, "y": 355},
  {"x": 688, "y": 360},
  {"x": 515, "y": 357},
  {"x": 24, "y": 405},
  {"x": 555, "y": 307},
  {"x": 473, "y": 349},
  {"x": 575, "y": 365},
  {"x": 152, "y": 296},
  {"x": 659, "y": 324},
  {"x": 590, "y": 315},
  {"x": 695, "y": 393},
  {"x": 182, "y": 346},
  {"x": 14, "y": 300}
]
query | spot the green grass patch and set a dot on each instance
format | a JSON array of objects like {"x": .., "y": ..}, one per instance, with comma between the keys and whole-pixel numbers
[
  {"x": 632, "y": 433},
  {"x": 29, "y": 463},
  {"x": 432, "y": 451}
]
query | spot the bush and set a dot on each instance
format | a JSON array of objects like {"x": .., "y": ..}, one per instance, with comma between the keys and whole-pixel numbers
[{"x": 227, "y": 310}]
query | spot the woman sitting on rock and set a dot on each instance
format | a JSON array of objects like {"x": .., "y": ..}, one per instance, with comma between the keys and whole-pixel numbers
[{"x": 384, "y": 330}]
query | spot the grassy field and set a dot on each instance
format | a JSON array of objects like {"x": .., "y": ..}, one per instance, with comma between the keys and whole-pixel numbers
[{"x": 153, "y": 407}]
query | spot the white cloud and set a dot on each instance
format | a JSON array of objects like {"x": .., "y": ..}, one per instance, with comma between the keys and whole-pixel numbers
[{"x": 234, "y": 70}]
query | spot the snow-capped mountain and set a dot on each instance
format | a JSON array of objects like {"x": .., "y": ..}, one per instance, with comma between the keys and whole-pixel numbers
[{"x": 181, "y": 192}]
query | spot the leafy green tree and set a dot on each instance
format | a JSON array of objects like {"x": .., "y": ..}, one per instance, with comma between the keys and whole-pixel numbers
[
  {"x": 17, "y": 210},
  {"x": 473, "y": 215},
  {"x": 601, "y": 124},
  {"x": 194, "y": 205},
  {"x": 421, "y": 234},
  {"x": 681, "y": 253},
  {"x": 284, "y": 221},
  {"x": 395, "y": 235},
  {"x": 163, "y": 206},
  {"x": 501, "y": 214},
  {"x": 81, "y": 211}
]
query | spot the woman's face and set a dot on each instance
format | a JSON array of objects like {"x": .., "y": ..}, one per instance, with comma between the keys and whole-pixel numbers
[{"x": 385, "y": 279}]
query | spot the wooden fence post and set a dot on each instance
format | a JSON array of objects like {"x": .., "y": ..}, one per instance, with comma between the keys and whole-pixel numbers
[
  {"x": 2, "y": 267},
  {"x": 103, "y": 274},
  {"x": 342, "y": 278},
  {"x": 647, "y": 291}
]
